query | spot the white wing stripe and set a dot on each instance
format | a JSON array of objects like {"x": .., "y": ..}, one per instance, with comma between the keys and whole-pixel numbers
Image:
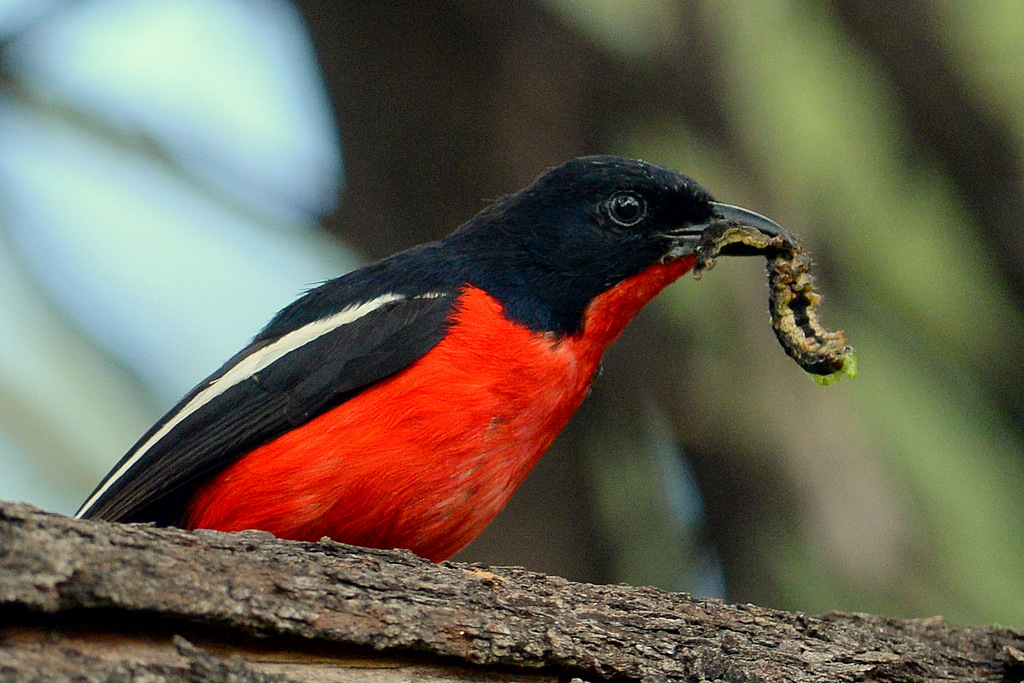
[{"x": 246, "y": 368}]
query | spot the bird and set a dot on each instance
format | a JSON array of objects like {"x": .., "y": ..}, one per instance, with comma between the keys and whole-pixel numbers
[{"x": 401, "y": 404}]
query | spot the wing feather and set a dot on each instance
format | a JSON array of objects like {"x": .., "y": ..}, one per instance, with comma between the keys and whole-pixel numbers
[{"x": 264, "y": 391}]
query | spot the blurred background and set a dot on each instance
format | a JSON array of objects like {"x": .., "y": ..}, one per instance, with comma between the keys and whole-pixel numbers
[{"x": 172, "y": 172}]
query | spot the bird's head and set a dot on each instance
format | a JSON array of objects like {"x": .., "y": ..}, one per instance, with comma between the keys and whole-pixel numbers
[{"x": 583, "y": 227}]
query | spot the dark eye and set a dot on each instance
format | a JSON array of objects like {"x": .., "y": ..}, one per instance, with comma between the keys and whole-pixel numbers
[{"x": 627, "y": 209}]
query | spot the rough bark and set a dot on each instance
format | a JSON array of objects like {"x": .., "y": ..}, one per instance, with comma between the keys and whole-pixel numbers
[{"x": 97, "y": 601}]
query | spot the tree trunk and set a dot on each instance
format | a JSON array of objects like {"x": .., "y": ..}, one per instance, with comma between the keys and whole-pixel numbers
[{"x": 91, "y": 601}]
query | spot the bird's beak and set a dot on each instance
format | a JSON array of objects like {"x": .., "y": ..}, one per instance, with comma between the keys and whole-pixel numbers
[
  {"x": 689, "y": 239},
  {"x": 738, "y": 216}
]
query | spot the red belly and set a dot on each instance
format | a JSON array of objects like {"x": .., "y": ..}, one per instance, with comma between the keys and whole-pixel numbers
[{"x": 426, "y": 458}]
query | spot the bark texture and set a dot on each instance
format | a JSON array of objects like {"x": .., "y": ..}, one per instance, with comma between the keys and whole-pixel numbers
[{"x": 96, "y": 601}]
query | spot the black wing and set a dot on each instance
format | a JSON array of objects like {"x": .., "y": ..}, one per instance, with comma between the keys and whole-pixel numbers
[{"x": 267, "y": 389}]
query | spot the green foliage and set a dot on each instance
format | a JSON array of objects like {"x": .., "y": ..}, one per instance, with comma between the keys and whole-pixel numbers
[
  {"x": 908, "y": 481},
  {"x": 910, "y": 280}
]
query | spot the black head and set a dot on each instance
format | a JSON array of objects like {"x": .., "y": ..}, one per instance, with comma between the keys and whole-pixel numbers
[{"x": 578, "y": 230}]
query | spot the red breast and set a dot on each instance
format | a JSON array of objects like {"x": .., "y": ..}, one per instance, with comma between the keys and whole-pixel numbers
[{"x": 426, "y": 458}]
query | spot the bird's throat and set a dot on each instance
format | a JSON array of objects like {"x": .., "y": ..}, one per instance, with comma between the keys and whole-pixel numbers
[{"x": 608, "y": 314}]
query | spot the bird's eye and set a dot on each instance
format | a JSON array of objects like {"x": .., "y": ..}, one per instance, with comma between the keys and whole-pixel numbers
[{"x": 627, "y": 209}]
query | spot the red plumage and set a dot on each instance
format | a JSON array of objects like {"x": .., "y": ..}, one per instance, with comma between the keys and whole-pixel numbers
[
  {"x": 401, "y": 404},
  {"x": 425, "y": 459}
]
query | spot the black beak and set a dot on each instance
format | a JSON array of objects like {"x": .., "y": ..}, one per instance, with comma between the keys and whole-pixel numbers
[
  {"x": 737, "y": 215},
  {"x": 690, "y": 239}
]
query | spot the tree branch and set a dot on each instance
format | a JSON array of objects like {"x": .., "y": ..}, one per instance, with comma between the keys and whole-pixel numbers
[{"x": 101, "y": 601}]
